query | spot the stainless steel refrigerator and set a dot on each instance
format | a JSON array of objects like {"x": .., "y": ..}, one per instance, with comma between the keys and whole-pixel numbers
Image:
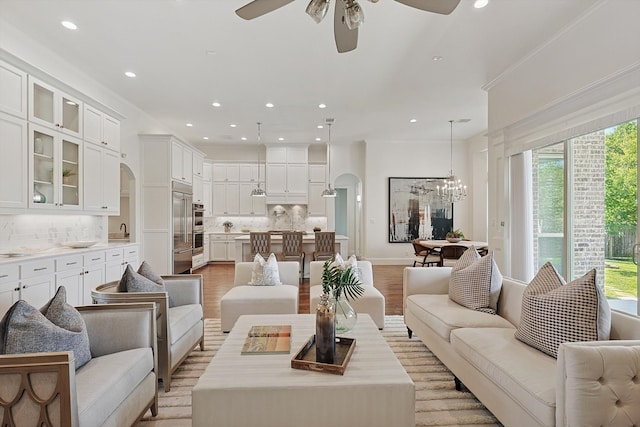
[{"x": 182, "y": 228}]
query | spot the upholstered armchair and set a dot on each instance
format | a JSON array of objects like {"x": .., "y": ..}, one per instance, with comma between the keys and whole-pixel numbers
[
  {"x": 180, "y": 317},
  {"x": 116, "y": 387}
]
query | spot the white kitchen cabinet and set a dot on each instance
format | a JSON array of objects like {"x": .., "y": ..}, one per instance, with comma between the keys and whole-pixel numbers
[
  {"x": 101, "y": 129},
  {"x": 198, "y": 165},
  {"x": 248, "y": 172},
  {"x": 226, "y": 199},
  {"x": 114, "y": 260},
  {"x": 317, "y": 173},
  {"x": 131, "y": 257},
  {"x": 287, "y": 175},
  {"x": 317, "y": 203},
  {"x": 250, "y": 205},
  {"x": 50, "y": 107},
  {"x": 13, "y": 90},
  {"x": 222, "y": 247},
  {"x": 13, "y": 162},
  {"x": 205, "y": 246},
  {"x": 55, "y": 165},
  {"x": 198, "y": 190},
  {"x": 37, "y": 281},
  {"x": 73, "y": 284},
  {"x": 9, "y": 286},
  {"x": 93, "y": 274},
  {"x": 225, "y": 172},
  {"x": 181, "y": 162},
  {"x": 207, "y": 169},
  {"x": 206, "y": 199},
  {"x": 101, "y": 180}
]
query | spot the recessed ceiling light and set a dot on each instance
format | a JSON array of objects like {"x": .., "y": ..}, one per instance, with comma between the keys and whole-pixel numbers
[
  {"x": 244, "y": 138},
  {"x": 205, "y": 137},
  {"x": 413, "y": 120},
  {"x": 479, "y": 4},
  {"x": 69, "y": 25},
  {"x": 318, "y": 139},
  {"x": 320, "y": 127},
  {"x": 216, "y": 104},
  {"x": 437, "y": 58},
  {"x": 281, "y": 139},
  {"x": 233, "y": 125},
  {"x": 268, "y": 105},
  {"x": 322, "y": 105},
  {"x": 130, "y": 74},
  {"x": 211, "y": 52},
  {"x": 189, "y": 124}
]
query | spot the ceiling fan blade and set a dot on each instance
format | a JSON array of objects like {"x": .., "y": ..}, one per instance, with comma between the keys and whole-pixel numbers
[
  {"x": 346, "y": 39},
  {"x": 260, "y": 7},
  {"x": 443, "y": 7}
]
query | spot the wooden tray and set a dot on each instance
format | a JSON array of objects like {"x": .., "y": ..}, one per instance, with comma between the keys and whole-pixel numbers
[{"x": 305, "y": 358}]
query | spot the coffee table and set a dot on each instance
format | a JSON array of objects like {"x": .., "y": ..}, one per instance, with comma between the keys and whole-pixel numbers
[{"x": 264, "y": 391}]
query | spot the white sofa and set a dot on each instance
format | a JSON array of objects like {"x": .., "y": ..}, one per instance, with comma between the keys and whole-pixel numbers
[
  {"x": 370, "y": 302},
  {"x": 590, "y": 384},
  {"x": 180, "y": 327},
  {"x": 115, "y": 388},
  {"x": 248, "y": 299}
]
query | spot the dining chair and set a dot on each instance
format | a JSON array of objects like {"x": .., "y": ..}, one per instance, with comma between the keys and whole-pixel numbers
[
  {"x": 260, "y": 242},
  {"x": 292, "y": 249},
  {"x": 325, "y": 243},
  {"x": 449, "y": 254},
  {"x": 426, "y": 257}
]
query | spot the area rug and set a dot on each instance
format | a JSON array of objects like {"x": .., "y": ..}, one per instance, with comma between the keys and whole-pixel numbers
[{"x": 437, "y": 401}]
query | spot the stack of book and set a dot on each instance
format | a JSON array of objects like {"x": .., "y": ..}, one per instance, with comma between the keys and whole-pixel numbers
[{"x": 268, "y": 339}]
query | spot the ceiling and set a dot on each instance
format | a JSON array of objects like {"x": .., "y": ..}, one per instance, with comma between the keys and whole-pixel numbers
[{"x": 190, "y": 53}]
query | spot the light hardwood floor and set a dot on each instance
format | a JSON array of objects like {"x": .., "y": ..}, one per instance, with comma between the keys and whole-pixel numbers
[{"x": 218, "y": 279}]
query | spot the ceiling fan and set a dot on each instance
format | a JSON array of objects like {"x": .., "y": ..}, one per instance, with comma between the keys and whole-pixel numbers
[{"x": 348, "y": 14}]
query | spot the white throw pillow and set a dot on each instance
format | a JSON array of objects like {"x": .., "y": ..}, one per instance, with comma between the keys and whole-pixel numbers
[
  {"x": 476, "y": 282},
  {"x": 265, "y": 273},
  {"x": 351, "y": 262}
]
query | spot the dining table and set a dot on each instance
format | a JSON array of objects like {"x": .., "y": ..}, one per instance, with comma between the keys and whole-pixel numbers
[{"x": 434, "y": 244}]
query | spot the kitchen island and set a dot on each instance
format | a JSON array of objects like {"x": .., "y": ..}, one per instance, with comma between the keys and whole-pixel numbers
[{"x": 243, "y": 247}]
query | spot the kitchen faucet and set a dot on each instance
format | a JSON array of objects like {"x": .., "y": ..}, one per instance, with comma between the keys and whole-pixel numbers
[{"x": 125, "y": 229}]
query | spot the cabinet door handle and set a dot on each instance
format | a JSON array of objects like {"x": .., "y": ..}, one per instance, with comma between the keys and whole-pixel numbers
[
  {"x": 95, "y": 259},
  {"x": 16, "y": 289},
  {"x": 72, "y": 263},
  {"x": 39, "y": 268},
  {"x": 3, "y": 276}
]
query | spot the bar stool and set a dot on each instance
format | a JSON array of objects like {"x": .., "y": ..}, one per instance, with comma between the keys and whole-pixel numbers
[
  {"x": 325, "y": 245},
  {"x": 292, "y": 249},
  {"x": 260, "y": 243}
]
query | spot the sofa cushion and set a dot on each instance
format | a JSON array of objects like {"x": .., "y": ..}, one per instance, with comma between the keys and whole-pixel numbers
[
  {"x": 443, "y": 315},
  {"x": 182, "y": 318},
  {"x": 554, "y": 312},
  {"x": 57, "y": 326},
  {"x": 146, "y": 271},
  {"x": 524, "y": 373},
  {"x": 106, "y": 381},
  {"x": 265, "y": 273},
  {"x": 476, "y": 281}
]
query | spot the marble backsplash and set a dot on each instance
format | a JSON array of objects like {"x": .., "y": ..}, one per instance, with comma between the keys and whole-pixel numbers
[
  {"x": 40, "y": 232},
  {"x": 280, "y": 217}
]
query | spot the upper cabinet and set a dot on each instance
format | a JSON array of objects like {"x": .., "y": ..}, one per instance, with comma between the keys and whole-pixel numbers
[
  {"x": 13, "y": 90},
  {"x": 181, "y": 162},
  {"x": 287, "y": 175},
  {"x": 13, "y": 162},
  {"x": 53, "y": 108},
  {"x": 101, "y": 129},
  {"x": 101, "y": 195},
  {"x": 198, "y": 164}
]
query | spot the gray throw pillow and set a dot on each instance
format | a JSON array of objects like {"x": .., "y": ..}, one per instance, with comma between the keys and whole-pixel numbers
[
  {"x": 554, "y": 312},
  {"x": 476, "y": 282},
  {"x": 55, "y": 327},
  {"x": 146, "y": 271},
  {"x": 134, "y": 282}
]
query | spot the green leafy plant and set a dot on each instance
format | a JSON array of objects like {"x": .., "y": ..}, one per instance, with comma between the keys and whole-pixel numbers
[
  {"x": 456, "y": 234},
  {"x": 68, "y": 172},
  {"x": 337, "y": 280},
  {"x": 227, "y": 224}
]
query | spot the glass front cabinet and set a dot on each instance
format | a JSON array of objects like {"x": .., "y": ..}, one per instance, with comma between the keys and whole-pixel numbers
[
  {"x": 55, "y": 165},
  {"x": 53, "y": 108}
]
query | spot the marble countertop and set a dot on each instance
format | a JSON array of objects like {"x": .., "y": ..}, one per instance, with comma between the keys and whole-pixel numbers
[{"x": 56, "y": 251}]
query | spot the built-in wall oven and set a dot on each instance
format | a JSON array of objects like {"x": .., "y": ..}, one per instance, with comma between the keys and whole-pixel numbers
[{"x": 198, "y": 228}]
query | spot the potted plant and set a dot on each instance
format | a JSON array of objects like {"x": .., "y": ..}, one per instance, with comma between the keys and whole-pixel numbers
[
  {"x": 227, "y": 226},
  {"x": 454, "y": 236},
  {"x": 66, "y": 174}
]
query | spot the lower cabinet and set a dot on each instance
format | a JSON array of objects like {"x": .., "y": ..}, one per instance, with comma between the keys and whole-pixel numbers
[{"x": 222, "y": 247}]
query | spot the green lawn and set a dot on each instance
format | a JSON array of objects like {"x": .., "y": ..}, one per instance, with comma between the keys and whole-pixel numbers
[{"x": 620, "y": 278}]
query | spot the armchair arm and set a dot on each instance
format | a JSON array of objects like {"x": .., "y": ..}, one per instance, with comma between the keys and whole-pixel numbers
[
  {"x": 117, "y": 327},
  {"x": 50, "y": 377},
  {"x": 184, "y": 289},
  {"x": 598, "y": 383}
]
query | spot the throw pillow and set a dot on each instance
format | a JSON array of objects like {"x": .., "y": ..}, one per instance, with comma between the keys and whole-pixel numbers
[
  {"x": 55, "y": 327},
  {"x": 146, "y": 271},
  {"x": 134, "y": 282},
  {"x": 265, "y": 273},
  {"x": 351, "y": 262},
  {"x": 554, "y": 312},
  {"x": 476, "y": 282}
]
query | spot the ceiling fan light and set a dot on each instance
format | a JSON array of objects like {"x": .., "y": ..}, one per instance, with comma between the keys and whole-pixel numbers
[
  {"x": 353, "y": 15},
  {"x": 317, "y": 9}
]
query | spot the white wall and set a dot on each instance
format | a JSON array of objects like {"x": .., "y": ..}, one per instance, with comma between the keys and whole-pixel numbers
[
  {"x": 587, "y": 77},
  {"x": 385, "y": 159}
]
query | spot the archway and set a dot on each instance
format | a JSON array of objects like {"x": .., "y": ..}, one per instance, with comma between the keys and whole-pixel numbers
[{"x": 348, "y": 210}]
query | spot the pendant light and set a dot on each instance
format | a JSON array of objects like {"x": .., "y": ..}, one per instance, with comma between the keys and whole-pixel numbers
[
  {"x": 258, "y": 191},
  {"x": 452, "y": 189},
  {"x": 329, "y": 192}
]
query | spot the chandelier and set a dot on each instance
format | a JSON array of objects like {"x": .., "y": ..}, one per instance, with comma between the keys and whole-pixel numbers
[{"x": 452, "y": 189}]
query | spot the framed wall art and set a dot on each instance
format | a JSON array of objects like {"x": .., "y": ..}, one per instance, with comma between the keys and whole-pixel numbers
[{"x": 416, "y": 211}]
